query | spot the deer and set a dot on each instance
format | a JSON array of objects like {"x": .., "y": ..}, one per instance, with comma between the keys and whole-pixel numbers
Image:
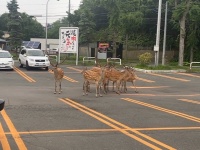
[
  {"x": 116, "y": 76},
  {"x": 93, "y": 77},
  {"x": 131, "y": 77},
  {"x": 58, "y": 75}
]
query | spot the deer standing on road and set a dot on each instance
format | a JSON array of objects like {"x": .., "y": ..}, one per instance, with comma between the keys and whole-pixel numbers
[
  {"x": 58, "y": 75},
  {"x": 93, "y": 77}
]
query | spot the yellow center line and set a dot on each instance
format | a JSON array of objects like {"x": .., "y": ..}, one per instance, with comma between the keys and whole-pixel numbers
[
  {"x": 145, "y": 80},
  {"x": 149, "y": 87},
  {"x": 169, "y": 77},
  {"x": 111, "y": 122},
  {"x": 3, "y": 139},
  {"x": 24, "y": 75},
  {"x": 161, "y": 95},
  {"x": 13, "y": 131},
  {"x": 104, "y": 130},
  {"x": 190, "y": 101},
  {"x": 65, "y": 77},
  {"x": 191, "y": 75},
  {"x": 189, "y": 117},
  {"x": 72, "y": 68}
]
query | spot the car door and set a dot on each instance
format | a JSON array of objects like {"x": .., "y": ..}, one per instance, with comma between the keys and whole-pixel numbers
[{"x": 23, "y": 57}]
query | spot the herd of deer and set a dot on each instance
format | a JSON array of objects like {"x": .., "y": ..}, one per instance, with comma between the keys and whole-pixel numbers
[{"x": 100, "y": 76}]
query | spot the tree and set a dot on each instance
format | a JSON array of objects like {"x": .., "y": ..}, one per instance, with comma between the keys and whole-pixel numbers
[
  {"x": 14, "y": 25},
  {"x": 193, "y": 32},
  {"x": 31, "y": 28},
  {"x": 3, "y": 23},
  {"x": 180, "y": 14}
]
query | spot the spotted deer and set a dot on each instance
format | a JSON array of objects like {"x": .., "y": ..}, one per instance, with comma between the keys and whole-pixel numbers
[
  {"x": 130, "y": 77},
  {"x": 92, "y": 77},
  {"x": 116, "y": 76},
  {"x": 58, "y": 75}
]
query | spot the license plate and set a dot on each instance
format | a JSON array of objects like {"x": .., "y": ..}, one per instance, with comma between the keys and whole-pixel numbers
[{"x": 2, "y": 66}]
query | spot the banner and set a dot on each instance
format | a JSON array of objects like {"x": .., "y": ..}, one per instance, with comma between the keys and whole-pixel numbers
[{"x": 68, "y": 39}]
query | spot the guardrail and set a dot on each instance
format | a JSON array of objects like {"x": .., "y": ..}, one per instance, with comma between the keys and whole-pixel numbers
[
  {"x": 89, "y": 59},
  {"x": 111, "y": 60},
  {"x": 194, "y": 63}
]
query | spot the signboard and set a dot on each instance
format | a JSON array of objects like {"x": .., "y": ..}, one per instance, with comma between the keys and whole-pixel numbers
[
  {"x": 68, "y": 40},
  {"x": 102, "y": 50}
]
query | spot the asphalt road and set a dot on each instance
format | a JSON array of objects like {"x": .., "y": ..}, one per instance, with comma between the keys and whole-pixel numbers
[{"x": 165, "y": 114}]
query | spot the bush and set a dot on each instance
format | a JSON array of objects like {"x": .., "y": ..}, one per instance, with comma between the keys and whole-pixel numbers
[{"x": 145, "y": 59}]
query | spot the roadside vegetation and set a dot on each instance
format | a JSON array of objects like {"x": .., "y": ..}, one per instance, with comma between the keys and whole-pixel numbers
[{"x": 131, "y": 22}]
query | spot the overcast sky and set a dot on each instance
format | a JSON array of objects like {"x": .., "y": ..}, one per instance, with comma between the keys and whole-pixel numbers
[{"x": 56, "y": 9}]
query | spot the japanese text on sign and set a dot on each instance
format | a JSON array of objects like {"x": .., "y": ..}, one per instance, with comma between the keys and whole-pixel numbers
[{"x": 68, "y": 40}]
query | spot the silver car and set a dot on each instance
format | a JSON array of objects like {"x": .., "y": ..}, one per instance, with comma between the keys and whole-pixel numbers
[{"x": 6, "y": 60}]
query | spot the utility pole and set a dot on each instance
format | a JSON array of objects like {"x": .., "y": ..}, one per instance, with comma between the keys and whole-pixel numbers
[
  {"x": 69, "y": 11},
  {"x": 164, "y": 39},
  {"x": 156, "y": 47}
]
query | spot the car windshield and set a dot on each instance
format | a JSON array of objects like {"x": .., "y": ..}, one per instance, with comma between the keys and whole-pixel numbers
[
  {"x": 5, "y": 55},
  {"x": 34, "y": 53}
]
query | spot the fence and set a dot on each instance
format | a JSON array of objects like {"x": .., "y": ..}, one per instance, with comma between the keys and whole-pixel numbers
[
  {"x": 194, "y": 63},
  {"x": 89, "y": 59}
]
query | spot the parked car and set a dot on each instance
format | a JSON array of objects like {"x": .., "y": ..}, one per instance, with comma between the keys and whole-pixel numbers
[
  {"x": 2, "y": 103},
  {"x": 34, "y": 58},
  {"x": 6, "y": 60}
]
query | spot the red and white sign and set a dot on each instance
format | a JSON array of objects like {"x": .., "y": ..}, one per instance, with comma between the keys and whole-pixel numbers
[{"x": 68, "y": 39}]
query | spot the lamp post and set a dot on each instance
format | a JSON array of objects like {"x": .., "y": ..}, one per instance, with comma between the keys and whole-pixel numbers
[
  {"x": 47, "y": 23},
  {"x": 156, "y": 47}
]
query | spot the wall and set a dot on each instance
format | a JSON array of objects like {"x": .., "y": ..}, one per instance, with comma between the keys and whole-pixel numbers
[
  {"x": 134, "y": 54},
  {"x": 53, "y": 43},
  {"x": 169, "y": 55}
]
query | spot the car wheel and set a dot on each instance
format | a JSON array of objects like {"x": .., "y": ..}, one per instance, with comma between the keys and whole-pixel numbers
[
  {"x": 27, "y": 66},
  {"x": 20, "y": 64},
  {"x": 46, "y": 68}
]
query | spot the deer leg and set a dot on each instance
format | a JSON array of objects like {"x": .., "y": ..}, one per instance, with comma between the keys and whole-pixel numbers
[
  {"x": 125, "y": 88},
  {"x": 96, "y": 90},
  {"x": 99, "y": 85},
  {"x": 104, "y": 88},
  {"x": 107, "y": 84},
  {"x": 83, "y": 88},
  {"x": 117, "y": 87},
  {"x": 55, "y": 87},
  {"x": 122, "y": 86},
  {"x": 59, "y": 87},
  {"x": 133, "y": 82},
  {"x": 113, "y": 86}
]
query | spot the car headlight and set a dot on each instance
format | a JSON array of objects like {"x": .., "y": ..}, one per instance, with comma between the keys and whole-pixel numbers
[{"x": 47, "y": 60}]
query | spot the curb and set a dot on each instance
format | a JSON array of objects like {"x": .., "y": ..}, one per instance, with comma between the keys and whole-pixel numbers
[{"x": 160, "y": 71}]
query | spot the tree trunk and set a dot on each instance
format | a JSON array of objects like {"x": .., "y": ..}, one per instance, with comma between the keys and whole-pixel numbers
[
  {"x": 191, "y": 54},
  {"x": 114, "y": 45},
  {"x": 183, "y": 34},
  {"x": 126, "y": 48}
]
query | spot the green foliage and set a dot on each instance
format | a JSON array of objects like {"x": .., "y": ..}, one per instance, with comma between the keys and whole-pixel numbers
[
  {"x": 14, "y": 25},
  {"x": 145, "y": 58},
  {"x": 31, "y": 28}
]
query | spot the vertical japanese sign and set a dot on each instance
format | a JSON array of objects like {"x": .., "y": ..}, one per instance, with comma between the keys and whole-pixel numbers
[{"x": 68, "y": 40}]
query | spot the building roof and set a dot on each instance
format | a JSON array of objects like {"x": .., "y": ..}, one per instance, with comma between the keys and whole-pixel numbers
[{"x": 31, "y": 44}]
